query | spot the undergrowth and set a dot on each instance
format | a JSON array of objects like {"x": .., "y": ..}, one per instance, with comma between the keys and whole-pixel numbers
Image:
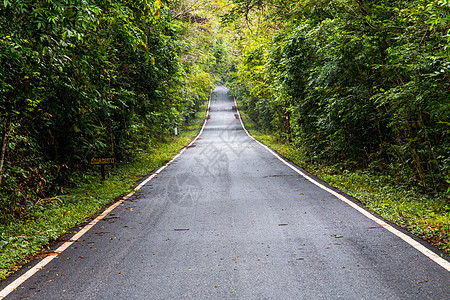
[{"x": 427, "y": 216}]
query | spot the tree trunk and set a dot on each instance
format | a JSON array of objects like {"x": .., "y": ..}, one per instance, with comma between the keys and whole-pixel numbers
[
  {"x": 288, "y": 124},
  {"x": 4, "y": 142}
]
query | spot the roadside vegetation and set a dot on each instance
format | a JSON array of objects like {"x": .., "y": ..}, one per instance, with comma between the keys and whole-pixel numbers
[
  {"x": 351, "y": 82},
  {"x": 83, "y": 79},
  {"x": 427, "y": 216},
  {"x": 357, "y": 92},
  {"x": 50, "y": 218}
]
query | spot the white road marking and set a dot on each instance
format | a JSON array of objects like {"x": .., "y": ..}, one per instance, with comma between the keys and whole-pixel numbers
[
  {"x": 41, "y": 264},
  {"x": 427, "y": 252}
]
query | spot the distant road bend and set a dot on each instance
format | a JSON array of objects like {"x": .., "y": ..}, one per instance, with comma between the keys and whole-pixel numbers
[{"x": 227, "y": 219}]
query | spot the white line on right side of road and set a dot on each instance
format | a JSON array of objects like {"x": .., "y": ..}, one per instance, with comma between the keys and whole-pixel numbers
[{"x": 427, "y": 252}]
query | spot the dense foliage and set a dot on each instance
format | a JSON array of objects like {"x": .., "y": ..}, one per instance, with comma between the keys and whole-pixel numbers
[
  {"x": 84, "y": 78},
  {"x": 363, "y": 84}
]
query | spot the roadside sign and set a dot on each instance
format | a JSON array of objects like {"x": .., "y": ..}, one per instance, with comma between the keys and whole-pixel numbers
[{"x": 102, "y": 162}]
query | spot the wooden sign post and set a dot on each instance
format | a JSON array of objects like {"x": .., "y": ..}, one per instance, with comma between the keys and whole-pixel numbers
[{"x": 102, "y": 162}]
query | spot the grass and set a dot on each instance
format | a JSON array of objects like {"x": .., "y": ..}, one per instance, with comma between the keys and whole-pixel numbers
[
  {"x": 426, "y": 216},
  {"x": 51, "y": 218}
]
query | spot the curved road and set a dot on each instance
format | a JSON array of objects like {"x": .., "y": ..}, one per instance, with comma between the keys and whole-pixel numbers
[{"x": 227, "y": 219}]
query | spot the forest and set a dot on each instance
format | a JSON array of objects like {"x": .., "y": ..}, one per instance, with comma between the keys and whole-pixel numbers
[
  {"x": 363, "y": 84},
  {"x": 357, "y": 85},
  {"x": 81, "y": 79}
]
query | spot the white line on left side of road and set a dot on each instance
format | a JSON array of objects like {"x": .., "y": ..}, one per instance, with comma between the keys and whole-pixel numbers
[{"x": 41, "y": 264}]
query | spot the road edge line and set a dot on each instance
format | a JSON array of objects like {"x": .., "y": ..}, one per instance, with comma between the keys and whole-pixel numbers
[
  {"x": 424, "y": 250},
  {"x": 42, "y": 263}
]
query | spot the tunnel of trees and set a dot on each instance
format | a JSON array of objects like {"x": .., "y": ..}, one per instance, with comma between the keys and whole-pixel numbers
[{"x": 365, "y": 84}]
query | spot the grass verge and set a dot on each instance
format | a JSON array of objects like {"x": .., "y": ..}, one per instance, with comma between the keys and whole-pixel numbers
[
  {"x": 51, "y": 218},
  {"x": 426, "y": 216}
]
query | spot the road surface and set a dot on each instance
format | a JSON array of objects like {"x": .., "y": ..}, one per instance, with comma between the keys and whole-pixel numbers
[{"x": 229, "y": 220}]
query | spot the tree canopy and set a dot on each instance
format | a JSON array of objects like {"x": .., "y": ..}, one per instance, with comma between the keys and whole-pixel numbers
[
  {"x": 91, "y": 78},
  {"x": 363, "y": 84}
]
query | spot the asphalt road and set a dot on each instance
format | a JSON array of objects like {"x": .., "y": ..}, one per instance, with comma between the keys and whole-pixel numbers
[{"x": 227, "y": 219}]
